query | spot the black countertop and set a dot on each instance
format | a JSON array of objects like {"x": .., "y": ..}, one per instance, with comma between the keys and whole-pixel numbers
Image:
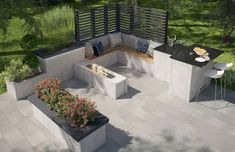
[{"x": 186, "y": 54}]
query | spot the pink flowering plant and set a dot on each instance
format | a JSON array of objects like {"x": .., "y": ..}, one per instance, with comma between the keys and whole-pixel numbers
[
  {"x": 46, "y": 90},
  {"x": 78, "y": 111}
]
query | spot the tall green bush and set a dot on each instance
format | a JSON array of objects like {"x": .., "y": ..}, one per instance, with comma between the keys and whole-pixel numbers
[
  {"x": 29, "y": 42},
  {"x": 59, "y": 18}
]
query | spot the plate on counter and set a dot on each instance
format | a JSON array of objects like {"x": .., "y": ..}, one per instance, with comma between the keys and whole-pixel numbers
[{"x": 199, "y": 59}]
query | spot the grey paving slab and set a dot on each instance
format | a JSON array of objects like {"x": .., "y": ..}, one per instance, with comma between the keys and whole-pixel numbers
[
  {"x": 21, "y": 132},
  {"x": 32, "y": 135},
  {"x": 147, "y": 119},
  {"x": 4, "y": 146},
  {"x": 11, "y": 134},
  {"x": 197, "y": 121},
  {"x": 22, "y": 146}
]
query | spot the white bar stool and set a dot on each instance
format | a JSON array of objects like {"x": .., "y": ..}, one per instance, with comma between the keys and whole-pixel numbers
[
  {"x": 212, "y": 74},
  {"x": 227, "y": 68}
]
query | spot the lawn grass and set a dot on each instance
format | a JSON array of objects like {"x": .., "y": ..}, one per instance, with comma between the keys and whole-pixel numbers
[
  {"x": 193, "y": 28},
  {"x": 198, "y": 32}
]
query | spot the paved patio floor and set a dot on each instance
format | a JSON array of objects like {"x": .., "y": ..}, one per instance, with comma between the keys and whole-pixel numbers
[{"x": 147, "y": 119}]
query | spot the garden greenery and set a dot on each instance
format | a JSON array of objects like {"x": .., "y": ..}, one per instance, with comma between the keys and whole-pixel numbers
[
  {"x": 29, "y": 42},
  {"x": 10, "y": 9},
  {"x": 78, "y": 111},
  {"x": 224, "y": 18},
  {"x": 59, "y": 18},
  {"x": 15, "y": 71}
]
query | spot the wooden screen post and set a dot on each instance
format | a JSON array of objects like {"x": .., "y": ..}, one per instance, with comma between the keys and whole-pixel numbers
[
  {"x": 93, "y": 32},
  {"x": 76, "y": 27},
  {"x": 166, "y": 28},
  {"x": 106, "y": 24},
  {"x": 132, "y": 18},
  {"x": 117, "y": 7}
]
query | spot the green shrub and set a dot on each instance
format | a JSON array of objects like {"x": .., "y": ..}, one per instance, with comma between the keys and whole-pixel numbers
[
  {"x": 29, "y": 42},
  {"x": 2, "y": 81},
  {"x": 59, "y": 18},
  {"x": 31, "y": 60},
  {"x": 16, "y": 71}
]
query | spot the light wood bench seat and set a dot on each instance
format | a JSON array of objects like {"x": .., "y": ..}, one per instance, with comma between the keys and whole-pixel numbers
[{"x": 128, "y": 50}]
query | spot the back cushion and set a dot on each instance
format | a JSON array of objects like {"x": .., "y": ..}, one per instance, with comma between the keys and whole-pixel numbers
[
  {"x": 89, "y": 52},
  {"x": 103, "y": 39},
  {"x": 152, "y": 45},
  {"x": 142, "y": 45},
  {"x": 99, "y": 47},
  {"x": 115, "y": 39},
  {"x": 129, "y": 40}
]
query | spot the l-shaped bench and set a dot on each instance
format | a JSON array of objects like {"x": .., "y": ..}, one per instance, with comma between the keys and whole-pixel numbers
[
  {"x": 128, "y": 50},
  {"x": 122, "y": 54}
]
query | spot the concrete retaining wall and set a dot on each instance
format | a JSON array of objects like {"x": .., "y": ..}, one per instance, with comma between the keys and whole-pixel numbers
[{"x": 61, "y": 66}]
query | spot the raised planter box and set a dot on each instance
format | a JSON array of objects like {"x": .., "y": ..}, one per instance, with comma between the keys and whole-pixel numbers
[
  {"x": 24, "y": 88},
  {"x": 79, "y": 140}
]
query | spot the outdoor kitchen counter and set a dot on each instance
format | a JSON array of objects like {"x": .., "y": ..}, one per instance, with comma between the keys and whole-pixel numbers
[
  {"x": 180, "y": 70},
  {"x": 185, "y": 54}
]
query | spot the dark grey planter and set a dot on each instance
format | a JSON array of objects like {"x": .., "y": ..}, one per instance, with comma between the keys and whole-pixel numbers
[{"x": 80, "y": 140}]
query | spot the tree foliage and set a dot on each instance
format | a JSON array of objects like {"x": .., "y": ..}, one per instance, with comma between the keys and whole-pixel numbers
[
  {"x": 224, "y": 18},
  {"x": 177, "y": 8},
  {"x": 10, "y": 9}
]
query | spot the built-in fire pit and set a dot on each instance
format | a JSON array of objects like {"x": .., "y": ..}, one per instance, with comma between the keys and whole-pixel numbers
[{"x": 100, "y": 70}]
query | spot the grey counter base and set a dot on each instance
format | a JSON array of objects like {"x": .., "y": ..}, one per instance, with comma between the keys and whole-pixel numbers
[{"x": 184, "y": 79}]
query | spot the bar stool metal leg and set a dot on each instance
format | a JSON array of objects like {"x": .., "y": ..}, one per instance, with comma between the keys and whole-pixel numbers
[
  {"x": 215, "y": 88},
  {"x": 212, "y": 74},
  {"x": 225, "y": 82},
  {"x": 227, "y": 79},
  {"x": 221, "y": 88},
  {"x": 198, "y": 91}
]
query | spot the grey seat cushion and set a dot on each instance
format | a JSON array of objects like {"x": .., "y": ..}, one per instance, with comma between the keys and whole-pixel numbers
[
  {"x": 129, "y": 40},
  {"x": 115, "y": 39},
  {"x": 126, "y": 39},
  {"x": 89, "y": 52}
]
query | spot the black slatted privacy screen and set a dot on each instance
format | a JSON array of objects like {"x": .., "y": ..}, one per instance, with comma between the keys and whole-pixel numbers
[{"x": 148, "y": 23}]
